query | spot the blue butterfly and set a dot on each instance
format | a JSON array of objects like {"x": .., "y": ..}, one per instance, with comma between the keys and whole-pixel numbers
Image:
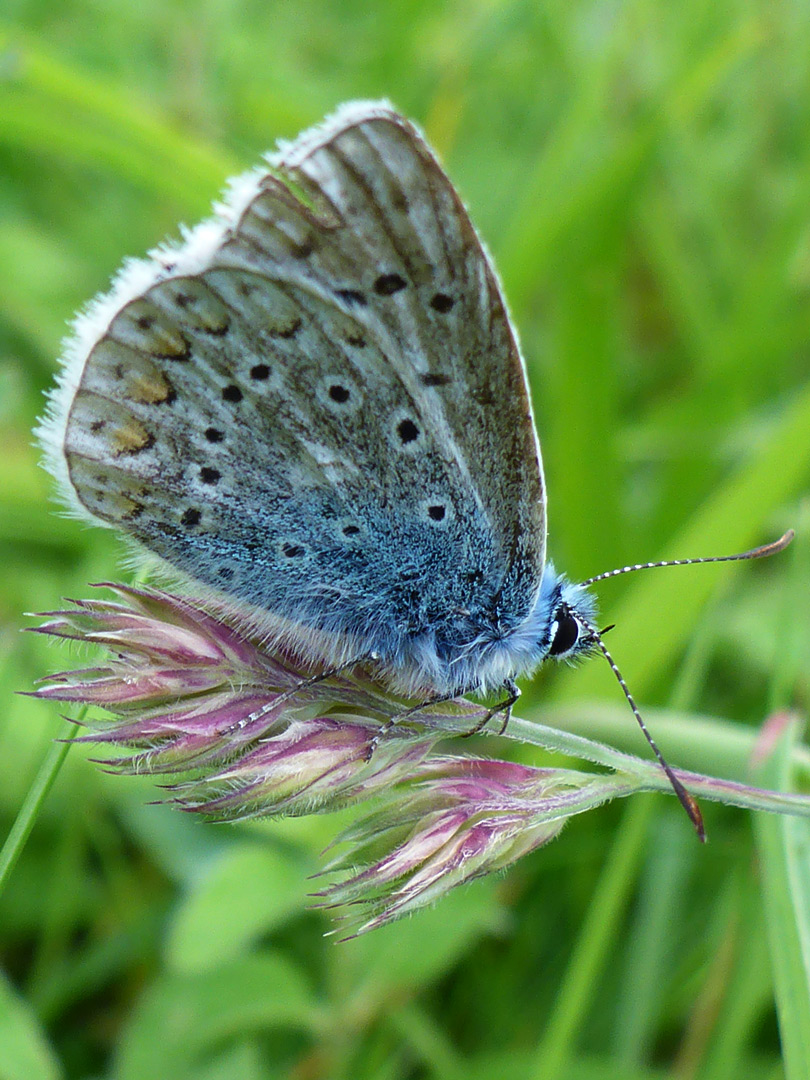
[{"x": 317, "y": 407}]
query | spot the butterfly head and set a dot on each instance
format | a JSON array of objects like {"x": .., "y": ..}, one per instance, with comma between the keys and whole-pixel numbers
[{"x": 564, "y": 616}]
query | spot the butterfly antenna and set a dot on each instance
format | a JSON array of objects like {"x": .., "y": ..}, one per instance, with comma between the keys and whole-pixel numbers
[
  {"x": 755, "y": 553},
  {"x": 687, "y": 801}
]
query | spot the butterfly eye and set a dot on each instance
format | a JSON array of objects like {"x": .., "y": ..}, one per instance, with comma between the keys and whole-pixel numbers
[{"x": 565, "y": 633}]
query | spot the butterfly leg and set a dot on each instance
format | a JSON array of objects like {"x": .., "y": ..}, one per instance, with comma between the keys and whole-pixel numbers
[
  {"x": 330, "y": 673},
  {"x": 505, "y": 707},
  {"x": 394, "y": 720},
  {"x": 313, "y": 680}
]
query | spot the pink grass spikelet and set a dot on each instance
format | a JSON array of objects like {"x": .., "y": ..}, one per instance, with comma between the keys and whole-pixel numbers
[{"x": 237, "y": 729}]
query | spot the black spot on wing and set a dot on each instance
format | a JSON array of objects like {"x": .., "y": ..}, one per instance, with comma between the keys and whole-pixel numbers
[
  {"x": 407, "y": 430},
  {"x": 388, "y": 284},
  {"x": 442, "y": 303}
]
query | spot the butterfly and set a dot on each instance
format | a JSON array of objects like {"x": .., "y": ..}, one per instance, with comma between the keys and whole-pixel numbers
[{"x": 315, "y": 405}]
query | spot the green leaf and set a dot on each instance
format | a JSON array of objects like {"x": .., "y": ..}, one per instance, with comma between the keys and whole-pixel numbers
[
  {"x": 414, "y": 952},
  {"x": 240, "y": 1062},
  {"x": 53, "y": 108},
  {"x": 249, "y": 890},
  {"x": 775, "y": 472},
  {"x": 587, "y": 963},
  {"x": 181, "y": 1017},
  {"x": 25, "y": 1053}
]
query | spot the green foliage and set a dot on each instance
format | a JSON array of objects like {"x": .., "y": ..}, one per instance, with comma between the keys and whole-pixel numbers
[{"x": 640, "y": 172}]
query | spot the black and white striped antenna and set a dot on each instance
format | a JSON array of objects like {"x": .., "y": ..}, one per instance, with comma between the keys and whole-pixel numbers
[
  {"x": 687, "y": 801},
  {"x": 756, "y": 553}
]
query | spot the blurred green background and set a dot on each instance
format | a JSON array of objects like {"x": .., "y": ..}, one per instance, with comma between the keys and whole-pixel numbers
[{"x": 641, "y": 173}]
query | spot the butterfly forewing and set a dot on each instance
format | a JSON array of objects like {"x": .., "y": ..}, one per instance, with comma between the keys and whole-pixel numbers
[
  {"x": 411, "y": 239},
  {"x": 322, "y": 412}
]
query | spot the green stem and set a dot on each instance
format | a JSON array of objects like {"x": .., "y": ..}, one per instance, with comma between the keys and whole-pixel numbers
[
  {"x": 37, "y": 793},
  {"x": 653, "y": 779},
  {"x": 592, "y": 945}
]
